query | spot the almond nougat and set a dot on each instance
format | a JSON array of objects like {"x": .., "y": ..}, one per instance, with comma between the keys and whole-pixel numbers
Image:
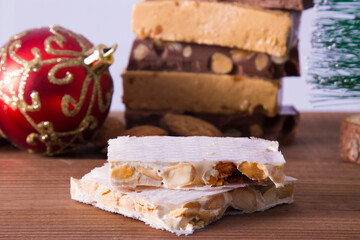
[
  {"x": 177, "y": 211},
  {"x": 193, "y": 162}
]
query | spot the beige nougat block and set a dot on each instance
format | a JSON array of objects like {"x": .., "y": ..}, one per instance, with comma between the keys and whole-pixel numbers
[
  {"x": 195, "y": 92},
  {"x": 193, "y": 162},
  {"x": 177, "y": 211},
  {"x": 214, "y": 23}
]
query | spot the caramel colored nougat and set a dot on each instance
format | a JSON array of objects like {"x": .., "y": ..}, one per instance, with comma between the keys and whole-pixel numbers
[
  {"x": 207, "y": 93},
  {"x": 214, "y": 23}
]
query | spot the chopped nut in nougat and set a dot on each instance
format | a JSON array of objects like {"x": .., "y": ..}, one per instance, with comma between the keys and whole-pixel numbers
[
  {"x": 215, "y": 202},
  {"x": 122, "y": 172},
  {"x": 141, "y": 52},
  {"x": 187, "y": 51},
  {"x": 193, "y": 162},
  {"x": 261, "y": 61},
  {"x": 220, "y": 63},
  {"x": 225, "y": 169},
  {"x": 279, "y": 60},
  {"x": 238, "y": 54},
  {"x": 245, "y": 199},
  {"x": 177, "y": 211},
  {"x": 149, "y": 173},
  {"x": 180, "y": 175},
  {"x": 253, "y": 170}
]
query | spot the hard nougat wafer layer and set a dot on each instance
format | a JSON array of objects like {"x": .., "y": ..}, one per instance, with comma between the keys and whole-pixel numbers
[
  {"x": 282, "y": 127},
  {"x": 202, "y": 93},
  {"x": 157, "y": 55},
  {"x": 193, "y": 162},
  {"x": 177, "y": 211},
  {"x": 214, "y": 23},
  {"x": 297, "y": 5}
]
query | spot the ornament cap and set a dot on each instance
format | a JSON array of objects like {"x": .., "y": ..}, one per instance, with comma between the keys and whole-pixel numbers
[{"x": 99, "y": 58}]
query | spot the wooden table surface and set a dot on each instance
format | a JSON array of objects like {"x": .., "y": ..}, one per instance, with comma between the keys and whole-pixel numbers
[{"x": 35, "y": 200}]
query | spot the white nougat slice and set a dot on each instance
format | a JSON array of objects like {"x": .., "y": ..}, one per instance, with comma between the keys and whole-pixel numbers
[
  {"x": 177, "y": 211},
  {"x": 193, "y": 162}
]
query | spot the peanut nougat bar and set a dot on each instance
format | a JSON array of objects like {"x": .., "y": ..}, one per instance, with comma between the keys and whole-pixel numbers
[
  {"x": 215, "y": 23},
  {"x": 193, "y": 162},
  {"x": 177, "y": 211},
  {"x": 201, "y": 93}
]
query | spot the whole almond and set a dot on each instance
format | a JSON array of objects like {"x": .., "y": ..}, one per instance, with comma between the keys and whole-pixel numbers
[
  {"x": 145, "y": 130},
  {"x": 111, "y": 128},
  {"x": 182, "y": 125}
]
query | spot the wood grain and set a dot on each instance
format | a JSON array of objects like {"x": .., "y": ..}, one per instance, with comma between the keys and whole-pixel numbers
[{"x": 35, "y": 200}]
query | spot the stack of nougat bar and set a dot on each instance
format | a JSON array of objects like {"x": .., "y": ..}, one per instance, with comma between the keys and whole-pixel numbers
[
  {"x": 218, "y": 60},
  {"x": 180, "y": 184}
]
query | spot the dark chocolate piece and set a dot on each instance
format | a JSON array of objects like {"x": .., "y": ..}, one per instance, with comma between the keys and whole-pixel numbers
[
  {"x": 156, "y": 55},
  {"x": 297, "y": 5},
  {"x": 282, "y": 127}
]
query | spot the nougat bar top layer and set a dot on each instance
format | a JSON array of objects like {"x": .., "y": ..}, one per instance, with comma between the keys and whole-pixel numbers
[
  {"x": 194, "y": 149},
  {"x": 193, "y": 162},
  {"x": 214, "y": 23}
]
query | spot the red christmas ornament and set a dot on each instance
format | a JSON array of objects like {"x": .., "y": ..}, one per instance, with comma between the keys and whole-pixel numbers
[{"x": 55, "y": 89}]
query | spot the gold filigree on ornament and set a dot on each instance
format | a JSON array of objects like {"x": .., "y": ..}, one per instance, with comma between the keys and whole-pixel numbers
[
  {"x": 46, "y": 133},
  {"x": 67, "y": 99},
  {"x": 3, "y": 51},
  {"x": 2, "y": 134},
  {"x": 59, "y": 40}
]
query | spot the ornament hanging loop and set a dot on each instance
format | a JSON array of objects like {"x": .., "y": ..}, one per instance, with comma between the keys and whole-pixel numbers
[{"x": 99, "y": 58}]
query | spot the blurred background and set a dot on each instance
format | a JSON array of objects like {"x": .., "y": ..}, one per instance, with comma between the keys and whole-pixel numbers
[{"x": 109, "y": 22}]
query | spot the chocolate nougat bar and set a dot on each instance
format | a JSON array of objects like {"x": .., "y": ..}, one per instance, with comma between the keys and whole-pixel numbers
[
  {"x": 177, "y": 211},
  {"x": 157, "y": 55},
  {"x": 193, "y": 162}
]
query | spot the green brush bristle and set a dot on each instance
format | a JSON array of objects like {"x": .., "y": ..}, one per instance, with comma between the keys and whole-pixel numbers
[{"x": 334, "y": 63}]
